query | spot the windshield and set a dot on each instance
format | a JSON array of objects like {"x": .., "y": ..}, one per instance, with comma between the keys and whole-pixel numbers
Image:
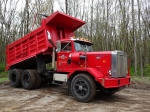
[{"x": 83, "y": 46}]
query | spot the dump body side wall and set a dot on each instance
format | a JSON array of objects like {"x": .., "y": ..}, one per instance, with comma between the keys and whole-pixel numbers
[{"x": 27, "y": 47}]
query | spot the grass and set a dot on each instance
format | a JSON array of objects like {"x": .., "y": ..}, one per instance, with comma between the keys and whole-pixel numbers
[
  {"x": 3, "y": 76},
  {"x": 146, "y": 71},
  {"x": 3, "y": 79},
  {"x": 132, "y": 71},
  {"x": 143, "y": 80},
  {"x": 2, "y": 67},
  {"x": 3, "y": 73}
]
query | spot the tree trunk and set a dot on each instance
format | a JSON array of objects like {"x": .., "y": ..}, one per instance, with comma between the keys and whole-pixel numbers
[
  {"x": 135, "y": 44},
  {"x": 139, "y": 35}
]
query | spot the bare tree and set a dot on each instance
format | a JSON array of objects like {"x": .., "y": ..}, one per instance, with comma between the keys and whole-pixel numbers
[
  {"x": 135, "y": 45},
  {"x": 139, "y": 36}
]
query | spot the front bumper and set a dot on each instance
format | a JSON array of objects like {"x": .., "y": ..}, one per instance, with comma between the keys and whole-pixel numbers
[{"x": 114, "y": 82}]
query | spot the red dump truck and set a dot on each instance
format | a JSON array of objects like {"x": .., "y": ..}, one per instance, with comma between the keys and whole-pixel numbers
[{"x": 72, "y": 59}]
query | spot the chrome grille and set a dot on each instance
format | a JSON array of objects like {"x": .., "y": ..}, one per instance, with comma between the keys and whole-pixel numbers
[{"x": 119, "y": 64}]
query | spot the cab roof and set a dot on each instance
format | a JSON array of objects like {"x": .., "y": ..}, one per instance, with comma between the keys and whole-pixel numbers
[{"x": 77, "y": 40}]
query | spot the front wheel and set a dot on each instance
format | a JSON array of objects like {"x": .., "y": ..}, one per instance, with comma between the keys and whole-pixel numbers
[{"x": 83, "y": 87}]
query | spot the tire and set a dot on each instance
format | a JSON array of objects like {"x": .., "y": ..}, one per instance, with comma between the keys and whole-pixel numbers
[
  {"x": 28, "y": 79},
  {"x": 15, "y": 77},
  {"x": 38, "y": 79},
  {"x": 83, "y": 87}
]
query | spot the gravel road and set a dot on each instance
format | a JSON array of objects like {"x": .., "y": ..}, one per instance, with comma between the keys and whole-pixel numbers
[{"x": 52, "y": 98}]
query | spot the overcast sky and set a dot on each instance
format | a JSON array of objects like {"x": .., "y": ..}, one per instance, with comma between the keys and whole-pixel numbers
[{"x": 21, "y": 4}]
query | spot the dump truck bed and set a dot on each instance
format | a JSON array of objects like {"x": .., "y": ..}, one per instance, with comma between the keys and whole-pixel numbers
[
  {"x": 55, "y": 27},
  {"x": 27, "y": 47}
]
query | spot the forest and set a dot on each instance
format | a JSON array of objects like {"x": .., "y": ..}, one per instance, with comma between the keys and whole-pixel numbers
[{"x": 110, "y": 25}]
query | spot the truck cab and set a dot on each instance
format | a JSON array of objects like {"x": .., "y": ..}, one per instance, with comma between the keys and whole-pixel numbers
[{"x": 67, "y": 48}]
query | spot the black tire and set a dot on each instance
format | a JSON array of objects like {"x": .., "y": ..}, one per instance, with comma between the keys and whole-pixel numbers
[
  {"x": 28, "y": 79},
  {"x": 38, "y": 79},
  {"x": 15, "y": 77},
  {"x": 83, "y": 87}
]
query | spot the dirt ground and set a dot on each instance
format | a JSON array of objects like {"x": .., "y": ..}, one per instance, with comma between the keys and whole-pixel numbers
[{"x": 54, "y": 98}]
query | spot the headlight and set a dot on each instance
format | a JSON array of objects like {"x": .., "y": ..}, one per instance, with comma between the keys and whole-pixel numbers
[{"x": 109, "y": 72}]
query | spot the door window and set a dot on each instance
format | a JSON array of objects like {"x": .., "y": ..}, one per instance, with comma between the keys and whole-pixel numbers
[{"x": 66, "y": 46}]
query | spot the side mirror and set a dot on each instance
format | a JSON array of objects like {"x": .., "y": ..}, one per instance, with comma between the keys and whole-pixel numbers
[{"x": 58, "y": 46}]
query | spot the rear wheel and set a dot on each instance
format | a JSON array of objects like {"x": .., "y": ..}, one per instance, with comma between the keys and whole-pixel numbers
[
  {"x": 38, "y": 79},
  {"x": 83, "y": 87},
  {"x": 15, "y": 77},
  {"x": 28, "y": 79}
]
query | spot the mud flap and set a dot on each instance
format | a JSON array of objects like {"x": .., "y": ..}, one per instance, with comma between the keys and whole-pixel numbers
[{"x": 69, "y": 87}]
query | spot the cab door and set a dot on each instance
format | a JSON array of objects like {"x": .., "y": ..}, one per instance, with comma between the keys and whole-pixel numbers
[{"x": 63, "y": 56}]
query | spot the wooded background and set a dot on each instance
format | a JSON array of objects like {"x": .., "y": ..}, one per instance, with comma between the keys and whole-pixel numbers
[{"x": 110, "y": 24}]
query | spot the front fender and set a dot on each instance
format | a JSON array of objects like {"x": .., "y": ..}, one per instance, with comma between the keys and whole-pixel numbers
[{"x": 92, "y": 71}]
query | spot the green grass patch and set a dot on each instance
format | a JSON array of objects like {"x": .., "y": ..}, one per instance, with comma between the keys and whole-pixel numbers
[
  {"x": 4, "y": 79},
  {"x": 146, "y": 71},
  {"x": 142, "y": 80},
  {"x": 3, "y": 74},
  {"x": 2, "y": 67},
  {"x": 132, "y": 71}
]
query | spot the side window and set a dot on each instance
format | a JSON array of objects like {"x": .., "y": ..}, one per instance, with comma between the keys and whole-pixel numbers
[{"x": 65, "y": 46}]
